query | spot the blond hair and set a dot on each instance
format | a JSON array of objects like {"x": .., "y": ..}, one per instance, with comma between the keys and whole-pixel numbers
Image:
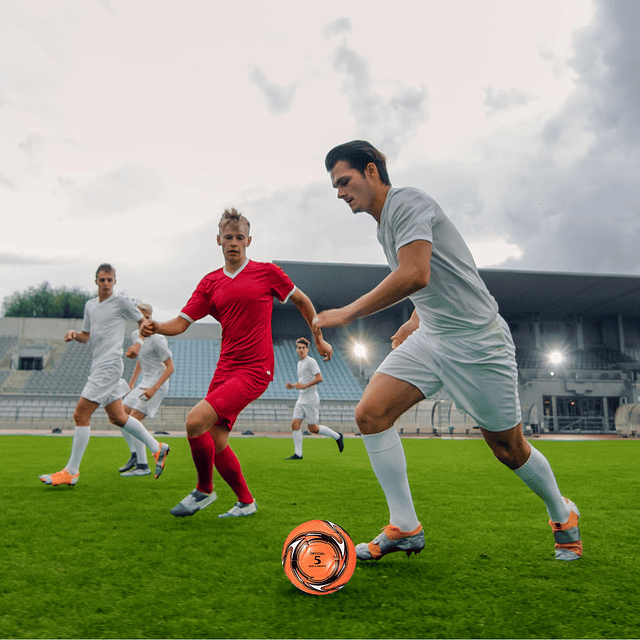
[{"x": 233, "y": 215}]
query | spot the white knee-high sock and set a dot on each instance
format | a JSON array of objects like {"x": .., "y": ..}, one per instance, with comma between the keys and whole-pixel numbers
[
  {"x": 80, "y": 441},
  {"x": 130, "y": 440},
  {"x": 136, "y": 446},
  {"x": 137, "y": 430},
  {"x": 390, "y": 466},
  {"x": 326, "y": 431},
  {"x": 297, "y": 442},
  {"x": 537, "y": 474}
]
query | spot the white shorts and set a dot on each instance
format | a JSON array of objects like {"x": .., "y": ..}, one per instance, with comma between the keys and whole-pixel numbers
[
  {"x": 148, "y": 407},
  {"x": 105, "y": 386},
  {"x": 477, "y": 368},
  {"x": 309, "y": 411}
]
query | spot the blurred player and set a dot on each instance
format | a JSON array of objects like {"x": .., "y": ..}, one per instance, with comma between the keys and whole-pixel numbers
[
  {"x": 155, "y": 362},
  {"x": 240, "y": 297},
  {"x": 455, "y": 338},
  {"x": 308, "y": 403},
  {"x": 104, "y": 323}
]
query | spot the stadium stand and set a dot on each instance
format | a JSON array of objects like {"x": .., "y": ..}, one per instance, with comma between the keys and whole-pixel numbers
[
  {"x": 195, "y": 361},
  {"x": 70, "y": 373},
  {"x": 6, "y": 343},
  {"x": 593, "y": 320}
]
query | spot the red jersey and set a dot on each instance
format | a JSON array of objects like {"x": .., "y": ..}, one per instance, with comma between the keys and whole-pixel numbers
[{"x": 242, "y": 303}]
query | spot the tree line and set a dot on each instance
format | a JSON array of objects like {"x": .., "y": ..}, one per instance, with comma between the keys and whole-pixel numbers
[{"x": 45, "y": 301}]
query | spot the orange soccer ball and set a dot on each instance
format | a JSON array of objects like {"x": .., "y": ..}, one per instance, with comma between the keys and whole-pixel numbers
[{"x": 319, "y": 557}]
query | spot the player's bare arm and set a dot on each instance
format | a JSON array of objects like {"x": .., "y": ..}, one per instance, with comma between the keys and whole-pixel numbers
[
  {"x": 170, "y": 328},
  {"x": 78, "y": 336},
  {"x": 300, "y": 385},
  {"x": 412, "y": 274},
  {"x": 405, "y": 330},
  {"x": 166, "y": 374},
  {"x": 306, "y": 308},
  {"x": 134, "y": 377},
  {"x": 133, "y": 350}
]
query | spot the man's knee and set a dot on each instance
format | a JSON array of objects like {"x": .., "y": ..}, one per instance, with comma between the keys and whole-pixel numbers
[
  {"x": 371, "y": 418},
  {"x": 313, "y": 428},
  {"x": 509, "y": 447}
]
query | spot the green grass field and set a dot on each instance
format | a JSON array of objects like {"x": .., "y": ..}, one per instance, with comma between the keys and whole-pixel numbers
[{"x": 105, "y": 559}]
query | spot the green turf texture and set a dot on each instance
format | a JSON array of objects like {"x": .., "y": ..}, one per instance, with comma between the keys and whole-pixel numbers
[{"x": 105, "y": 559}]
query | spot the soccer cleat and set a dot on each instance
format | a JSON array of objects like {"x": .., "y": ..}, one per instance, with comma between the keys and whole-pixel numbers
[
  {"x": 340, "y": 442},
  {"x": 295, "y": 456},
  {"x": 392, "y": 539},
  {"x": 60, "y": 477},
  {"x": 240, "y": 509},
  {"x": 195, "y": 501},
  {"x": 130, "y": 463},
  {"x": 567, "y": 535},
  {"x": 161, "y": 457},
  {"x": 138, "y": 470}
]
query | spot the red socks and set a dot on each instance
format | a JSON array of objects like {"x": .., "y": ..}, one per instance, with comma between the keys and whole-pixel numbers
[
  {"x": 204, "y": 456},
  {"x": 203, "y": 452},
  {"x": 228, "y": 467}
]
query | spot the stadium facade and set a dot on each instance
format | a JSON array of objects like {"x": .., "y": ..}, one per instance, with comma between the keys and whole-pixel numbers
[{"x": 577, "y": 342}]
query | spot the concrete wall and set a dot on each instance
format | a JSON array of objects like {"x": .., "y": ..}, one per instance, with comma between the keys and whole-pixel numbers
[{"x": 54, "y": 329}]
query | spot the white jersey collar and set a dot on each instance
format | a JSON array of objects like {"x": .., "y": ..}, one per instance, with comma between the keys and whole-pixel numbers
[{"x": 233, "y": 275}]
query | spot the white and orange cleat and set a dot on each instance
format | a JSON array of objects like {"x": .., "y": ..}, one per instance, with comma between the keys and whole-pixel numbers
[
  {"x": 392, "y": 539},
  {"x": 567, "y": 535},
  {"x": 59, "y": 478},
  {"x": 161, "y": 457}
]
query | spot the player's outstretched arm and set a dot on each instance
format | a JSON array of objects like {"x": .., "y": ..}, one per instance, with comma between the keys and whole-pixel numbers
[
  {"x": 412, "y": 274},
  {"x": 170, "y": 328},
  {"x": 308, "y": 311}
]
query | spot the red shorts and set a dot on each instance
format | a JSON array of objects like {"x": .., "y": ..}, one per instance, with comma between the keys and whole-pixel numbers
[{"x": 229, "y": 394}]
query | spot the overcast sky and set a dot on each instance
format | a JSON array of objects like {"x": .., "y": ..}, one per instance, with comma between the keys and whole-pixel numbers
[{"x": 127, "y": 126}]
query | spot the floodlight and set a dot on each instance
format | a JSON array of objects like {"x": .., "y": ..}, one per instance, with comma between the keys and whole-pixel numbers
[
  {"x": 556, "y": 357},
  {"x": 359, "y": 351}
]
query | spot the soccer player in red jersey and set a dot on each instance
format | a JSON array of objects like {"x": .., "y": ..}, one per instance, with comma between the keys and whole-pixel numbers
[{"x": 240, "y": 297}]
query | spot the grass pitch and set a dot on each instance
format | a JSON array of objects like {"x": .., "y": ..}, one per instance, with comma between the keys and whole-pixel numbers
[{"x": 105, "y": 559}]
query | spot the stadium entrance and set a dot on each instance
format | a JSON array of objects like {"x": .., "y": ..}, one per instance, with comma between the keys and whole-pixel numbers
[{"x": 577, "y": 414}]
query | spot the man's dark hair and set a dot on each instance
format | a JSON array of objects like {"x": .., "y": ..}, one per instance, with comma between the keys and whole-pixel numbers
[
  {"x": 105, "y": 266},
  {"x": 358, "y": 153},
  {"x": 303, "y": 341}
]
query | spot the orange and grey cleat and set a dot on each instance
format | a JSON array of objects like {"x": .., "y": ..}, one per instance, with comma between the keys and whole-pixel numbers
[
  {"x": 392, "y": 539},
  {"x": 161, "y": 457},
  {"x": 59, "y": 478},
  {"x": 567, "y": 535}
]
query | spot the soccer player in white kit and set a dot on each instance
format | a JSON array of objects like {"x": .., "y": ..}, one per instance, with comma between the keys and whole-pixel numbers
[
  {"x": 104, "y": 323},
  {"x": 455, "y": 338},
  {"x": 155, "y": 363},
  {"x": 308, "y": 404}
]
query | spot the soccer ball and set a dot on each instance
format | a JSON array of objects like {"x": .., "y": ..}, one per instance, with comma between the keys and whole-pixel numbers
[{"x": 319, "y": 557}]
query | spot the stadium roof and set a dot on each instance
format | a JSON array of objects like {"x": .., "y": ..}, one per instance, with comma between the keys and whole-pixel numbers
[{"x": 518, "y": 293}]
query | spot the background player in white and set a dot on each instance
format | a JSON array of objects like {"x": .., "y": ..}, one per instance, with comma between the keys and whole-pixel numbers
[
  {"x": 308, "y": 403},
  {"x": 155, "y": 363},
  {"x": 104, "y": 323},
  {"x": 455, "y": 338}
]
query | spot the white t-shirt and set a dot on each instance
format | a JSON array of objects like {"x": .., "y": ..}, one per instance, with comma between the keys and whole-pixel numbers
[
  {"x": 308, "y": 369},
  {"x": 153, "y": 353},
  {"x": 456, "y": 298},
  {"x": 106, "y": 322}
]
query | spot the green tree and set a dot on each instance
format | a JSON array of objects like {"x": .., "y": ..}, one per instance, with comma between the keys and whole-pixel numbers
[{"x": 43, "y": 301}]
